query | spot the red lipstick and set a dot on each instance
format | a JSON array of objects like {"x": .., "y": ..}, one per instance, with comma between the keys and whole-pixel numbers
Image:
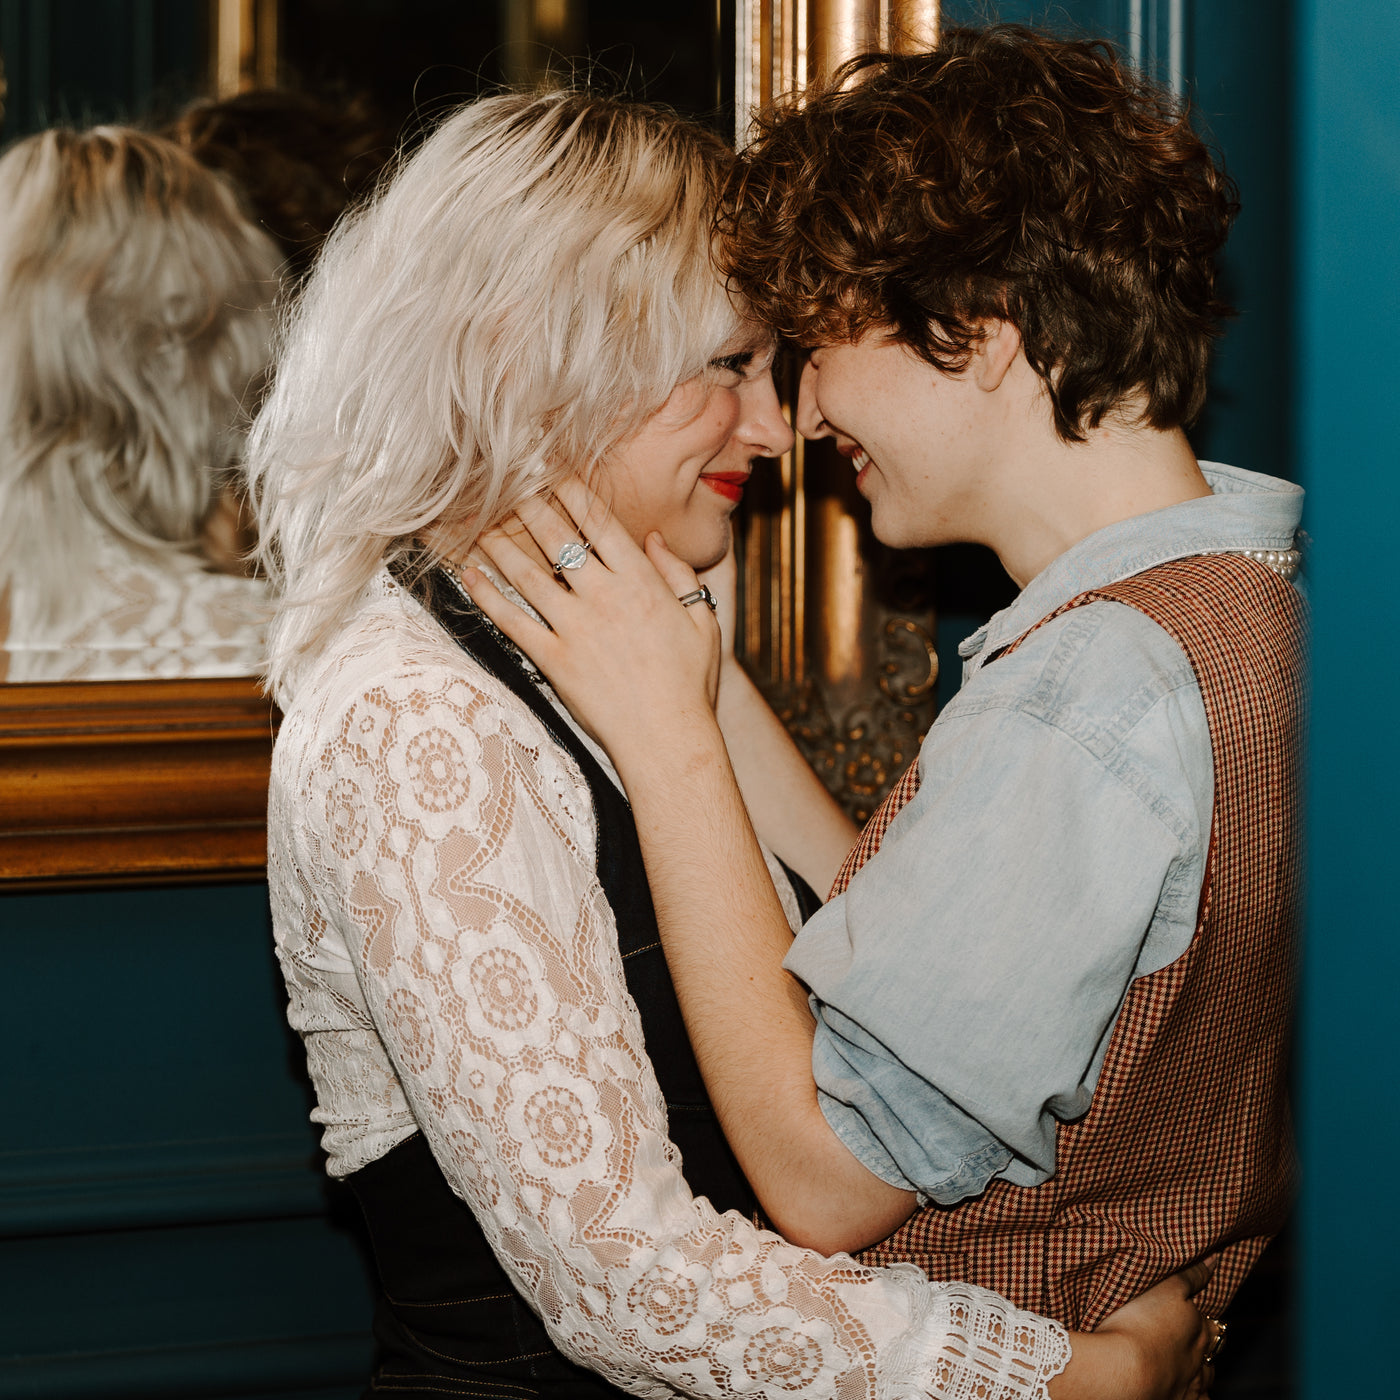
[{"x": 730, "y": 485}]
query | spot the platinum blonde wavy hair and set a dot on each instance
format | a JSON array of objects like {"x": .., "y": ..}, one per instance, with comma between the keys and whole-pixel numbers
[
  {"x": 518, "y": 299},
  {"x": 133, "y": 330}
]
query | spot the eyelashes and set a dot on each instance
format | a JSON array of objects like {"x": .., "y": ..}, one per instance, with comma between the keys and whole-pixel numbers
[{"x": 734, "y": 364}]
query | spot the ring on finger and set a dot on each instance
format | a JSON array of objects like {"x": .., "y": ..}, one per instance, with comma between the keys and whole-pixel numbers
[
  {"x": 700, "y": 595},
  {"x": 1217, "y": 1338},
  {"x": 573, "y": 555}
]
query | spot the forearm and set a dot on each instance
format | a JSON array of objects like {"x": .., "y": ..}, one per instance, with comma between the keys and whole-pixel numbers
[
  {"x": 583, "y": 1202},
  {"x": 792, "y": 811},
  {"x": 747, "y": 1018},
  {"x": 1100, "y": 1368}
]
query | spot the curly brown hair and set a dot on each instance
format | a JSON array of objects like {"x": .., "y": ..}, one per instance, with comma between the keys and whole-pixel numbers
[{"x": 1006, "y": 175}]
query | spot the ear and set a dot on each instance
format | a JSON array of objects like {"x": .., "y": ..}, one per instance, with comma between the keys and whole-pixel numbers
[{"x": 996, "y": 352}]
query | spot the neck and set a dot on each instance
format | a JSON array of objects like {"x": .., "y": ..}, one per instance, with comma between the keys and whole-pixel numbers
[
  {"x": 457, "y": 544},
  {"x": 1061, "y": 492}
]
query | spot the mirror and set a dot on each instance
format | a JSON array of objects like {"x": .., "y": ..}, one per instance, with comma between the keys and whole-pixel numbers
[{"x": 157, "y": 782}]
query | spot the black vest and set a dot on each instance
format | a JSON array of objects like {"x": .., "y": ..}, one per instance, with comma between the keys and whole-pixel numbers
[{"x": 450, "y": 1321}]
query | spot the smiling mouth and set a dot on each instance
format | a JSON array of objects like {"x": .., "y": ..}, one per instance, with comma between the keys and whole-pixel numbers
[
  {"x": 856, "y": 454},
  {"x": 730, "y": 485}
]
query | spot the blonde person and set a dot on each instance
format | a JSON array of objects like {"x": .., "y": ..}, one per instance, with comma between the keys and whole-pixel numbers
[
  {"x": 133, "y": 329},
  {"x": 459, "y": 905}
]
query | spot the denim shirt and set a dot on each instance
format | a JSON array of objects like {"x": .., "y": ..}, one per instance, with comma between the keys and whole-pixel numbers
[{"x": 966, "y": 984}]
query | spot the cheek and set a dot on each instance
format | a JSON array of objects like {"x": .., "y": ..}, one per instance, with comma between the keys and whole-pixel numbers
[{"x": 715, "y": 432}]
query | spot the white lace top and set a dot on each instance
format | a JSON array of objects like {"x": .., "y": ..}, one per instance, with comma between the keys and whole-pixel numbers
[
  {"x": 140, "y": 620},
  {"x": 453, "y": 968}
]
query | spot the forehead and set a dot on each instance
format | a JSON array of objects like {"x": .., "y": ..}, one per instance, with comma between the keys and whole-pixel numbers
[{"x": 748, "y": 334}]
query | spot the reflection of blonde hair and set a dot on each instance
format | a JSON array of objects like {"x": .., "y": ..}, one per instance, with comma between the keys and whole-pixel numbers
[
  {"x": 527, "y": 290},
  {"x": 132, "y": 289}
]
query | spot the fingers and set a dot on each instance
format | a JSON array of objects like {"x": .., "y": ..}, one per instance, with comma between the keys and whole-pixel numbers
[
  {"x": 532, "y": 637},
  {"x": 1201, "y": 1383},
  {"x": 679, "y": 576},
  {"x": 575, "y": 512},
  {"x": 591, "y": 514},
  {"x": 554, "y": 532},
  {"x": 1195, "y": 1276},
  {"x": 522, "y": 571}
]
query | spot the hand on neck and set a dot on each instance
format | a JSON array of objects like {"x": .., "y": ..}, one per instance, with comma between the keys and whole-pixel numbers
[{"x": 456, "y": 544}]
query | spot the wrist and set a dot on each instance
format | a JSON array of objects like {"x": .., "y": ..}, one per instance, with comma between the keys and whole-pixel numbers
[
  {"x": 732, "y": 675},
  {"x": 1104, "y": 1365},
  {"x": 659, "y": 747}
]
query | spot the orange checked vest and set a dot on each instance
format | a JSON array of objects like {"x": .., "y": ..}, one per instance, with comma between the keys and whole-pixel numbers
[{"x": 1187, "y": 1145}]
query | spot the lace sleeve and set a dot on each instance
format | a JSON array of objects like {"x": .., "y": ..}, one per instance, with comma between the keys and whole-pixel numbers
[
  {"x": 450, "y": 846},
  {"x": 138, "y": 618}
]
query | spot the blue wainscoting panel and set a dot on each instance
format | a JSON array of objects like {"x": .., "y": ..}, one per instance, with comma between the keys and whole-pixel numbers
[{"x": 166, "y": 1228}]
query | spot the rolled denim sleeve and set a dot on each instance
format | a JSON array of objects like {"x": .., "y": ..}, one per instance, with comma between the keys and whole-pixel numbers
[{"x": 966, "y": 984}]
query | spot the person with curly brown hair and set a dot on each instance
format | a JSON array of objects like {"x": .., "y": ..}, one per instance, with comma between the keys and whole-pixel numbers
[{"x": 1046, "y": 1005}]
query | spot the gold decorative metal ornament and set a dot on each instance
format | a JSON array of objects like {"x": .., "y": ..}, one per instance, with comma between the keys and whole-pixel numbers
[
  {"x": 837, "y": 631},
  {"x": 243, "y": 45}
]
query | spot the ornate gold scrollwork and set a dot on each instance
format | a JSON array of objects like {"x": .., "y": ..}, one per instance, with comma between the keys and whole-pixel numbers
[
  {"x": 243, "y": 45},
  {"x": 861, "y": 752},
  {"x": 849, "y": 666}
]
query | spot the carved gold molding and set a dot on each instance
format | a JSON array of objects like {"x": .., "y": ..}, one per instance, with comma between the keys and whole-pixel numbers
[
  {"x": 782, "y": 45},
  {"x": 133, "y": 782},
  {"x": 243, "y": 45},
  {"x": 849, "y": 669}
]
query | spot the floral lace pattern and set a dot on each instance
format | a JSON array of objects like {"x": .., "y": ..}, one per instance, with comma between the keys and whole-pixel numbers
[
  {"x": 452, "y": 967},
  {"x": 143, "y": 622}
]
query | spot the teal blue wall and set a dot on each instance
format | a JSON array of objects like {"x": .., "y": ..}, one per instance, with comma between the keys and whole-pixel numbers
[
  {"x": 1348, "y": 423},
  {"x": 166, "y": 1228},
  {"x": 76, "y": 62}
]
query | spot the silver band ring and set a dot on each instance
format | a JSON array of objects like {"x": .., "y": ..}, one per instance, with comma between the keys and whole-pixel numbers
[
  {"x": 701, "y": 595},
  {"x": 573, "y": 555},
  {"x": 1217, "y": 1338}
]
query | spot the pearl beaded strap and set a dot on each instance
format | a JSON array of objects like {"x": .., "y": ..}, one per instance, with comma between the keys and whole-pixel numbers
[{"x": 1284, "y": 562}]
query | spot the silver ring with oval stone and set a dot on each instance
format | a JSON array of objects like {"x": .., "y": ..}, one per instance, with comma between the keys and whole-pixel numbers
[{"x": 573, "y": 555}]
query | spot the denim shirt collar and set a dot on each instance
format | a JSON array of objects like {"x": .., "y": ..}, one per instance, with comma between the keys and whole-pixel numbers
[{"x": 1245, "y": 511}]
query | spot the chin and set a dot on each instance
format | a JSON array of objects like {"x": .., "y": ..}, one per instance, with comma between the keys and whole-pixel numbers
[
  {"x": 704, "y": 554},
  {"x": 897, "y": 531},
  {"x": 888, "y": 532}
]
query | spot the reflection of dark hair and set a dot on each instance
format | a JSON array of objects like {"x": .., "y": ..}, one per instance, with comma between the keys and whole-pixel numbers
[
  {"x": 299, "y": 161},
  {"x": 1006, "y": 175}
]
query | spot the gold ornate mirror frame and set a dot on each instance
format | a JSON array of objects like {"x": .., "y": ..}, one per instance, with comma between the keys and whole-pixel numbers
[
  {"x": 133, "y": 782},
  {"x": 165, "y": 781},
  {"x": 144, "y": 782},
  {"x": 838, "y": 632}
]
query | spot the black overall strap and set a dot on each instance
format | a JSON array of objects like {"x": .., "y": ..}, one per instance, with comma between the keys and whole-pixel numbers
[
  {"x": 619, "y": 854},
  {"x": 451, "y": 1320},
  {"x": 709, "y": 1166}
]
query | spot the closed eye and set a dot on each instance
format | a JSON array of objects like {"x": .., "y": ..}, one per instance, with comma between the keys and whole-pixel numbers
[{"x": 736, "y": 364}]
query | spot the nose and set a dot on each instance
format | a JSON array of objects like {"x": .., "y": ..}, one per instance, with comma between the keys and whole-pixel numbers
[
  {"x": 765, "y": 428},
  {"x": 810, "y": 422}
]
